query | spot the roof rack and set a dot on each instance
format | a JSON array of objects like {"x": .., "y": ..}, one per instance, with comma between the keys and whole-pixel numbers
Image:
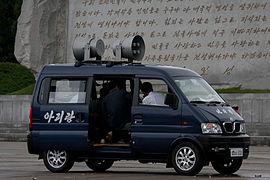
[{"x": 107, "y": 63}]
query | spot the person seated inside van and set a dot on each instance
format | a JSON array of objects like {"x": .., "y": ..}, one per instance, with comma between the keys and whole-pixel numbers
[
  {"x": 116, "y": 109},
  {"x": 150, "y": 97},
  {"x": 106, "y": 87}
]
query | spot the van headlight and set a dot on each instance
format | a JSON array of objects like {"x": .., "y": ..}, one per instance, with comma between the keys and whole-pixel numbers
[
  {"x": 242, "y": 128},
  {"x": 211, "y": 128}
]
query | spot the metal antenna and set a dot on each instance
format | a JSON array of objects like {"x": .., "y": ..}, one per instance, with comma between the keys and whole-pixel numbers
[
  {"x": 87, "y": 51},
  {"x": 118, "y": 52}
]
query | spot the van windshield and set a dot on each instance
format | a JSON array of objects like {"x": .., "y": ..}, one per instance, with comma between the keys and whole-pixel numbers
[{"x": 197, "y": 90}]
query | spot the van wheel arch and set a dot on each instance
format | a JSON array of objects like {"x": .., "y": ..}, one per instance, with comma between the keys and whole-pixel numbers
[{"x": 182, "y": 140}]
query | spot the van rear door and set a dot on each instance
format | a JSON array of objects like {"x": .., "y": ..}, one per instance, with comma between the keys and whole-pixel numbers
[{"x": 64, "y": 113}]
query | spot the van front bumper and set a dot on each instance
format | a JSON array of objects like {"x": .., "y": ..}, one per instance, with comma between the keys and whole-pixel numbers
[{"x": 218, "y": 147}]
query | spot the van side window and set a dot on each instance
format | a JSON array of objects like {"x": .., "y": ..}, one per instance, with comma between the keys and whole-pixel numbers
[
  {"x": 67, "y": 91},
  {"x": 43, "y": 91},
  {"x": 153, "y": 92}
]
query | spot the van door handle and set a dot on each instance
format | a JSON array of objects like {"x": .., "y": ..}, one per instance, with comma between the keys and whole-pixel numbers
[
  {"x": 138, "y": 119},
  {"x": 80, "y": 117},
  {"x": 138, "y": 116}
]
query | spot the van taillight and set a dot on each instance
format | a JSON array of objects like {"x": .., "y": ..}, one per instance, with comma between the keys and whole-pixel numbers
[{"x": 30, "y": 118}]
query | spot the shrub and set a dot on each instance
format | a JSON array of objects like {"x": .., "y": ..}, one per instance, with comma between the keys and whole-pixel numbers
[{"x": 14, "y": 77}]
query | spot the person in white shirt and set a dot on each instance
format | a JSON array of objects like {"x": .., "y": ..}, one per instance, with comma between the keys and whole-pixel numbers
[{"x": 150, "y": 97}]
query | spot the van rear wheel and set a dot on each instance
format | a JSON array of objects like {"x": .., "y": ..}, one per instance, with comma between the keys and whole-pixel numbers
[
  {"x": 57, "y": 161},
  {"x": 186, "y": 159},
  {"x": 229, "y": 167},
  {"x": 99, "y": 165}
]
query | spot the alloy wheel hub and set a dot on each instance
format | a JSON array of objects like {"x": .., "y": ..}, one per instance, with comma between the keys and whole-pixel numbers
[
  {"x": 185, "y": 158},
  {"x": 56, "y": 158}
]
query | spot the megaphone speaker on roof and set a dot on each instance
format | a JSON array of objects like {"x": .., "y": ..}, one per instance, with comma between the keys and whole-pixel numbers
[
  {"x": 84, "y": 49},
  {"x": 131, "y": 48}
]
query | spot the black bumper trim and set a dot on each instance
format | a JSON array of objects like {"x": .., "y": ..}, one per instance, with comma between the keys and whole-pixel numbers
[
  {"x": 29, "y": 143},
  {"x": 217, "y": 147}
]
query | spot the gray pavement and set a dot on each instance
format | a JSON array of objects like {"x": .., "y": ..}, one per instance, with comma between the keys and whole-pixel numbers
[{"x": 16, "y": 163}]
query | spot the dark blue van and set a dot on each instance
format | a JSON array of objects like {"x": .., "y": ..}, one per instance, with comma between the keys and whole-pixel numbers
[
  {"x": 190, "y": 128},
  {"x": 195, "y": 128}
]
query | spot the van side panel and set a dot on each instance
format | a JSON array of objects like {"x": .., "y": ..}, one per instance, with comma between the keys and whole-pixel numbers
[
  {"x": 154, "y": 129},
  {"x": 58, "y": 126},
  {"x": 68, "y": 135}
]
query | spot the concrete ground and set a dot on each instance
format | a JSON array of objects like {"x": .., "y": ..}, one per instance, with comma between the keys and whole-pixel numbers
[{"x": 16, "y": 163}]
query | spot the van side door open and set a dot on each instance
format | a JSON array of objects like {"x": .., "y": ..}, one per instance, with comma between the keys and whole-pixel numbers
[
  {"x": 111, "y": 100},
  {"x": 64, "y": 112}
]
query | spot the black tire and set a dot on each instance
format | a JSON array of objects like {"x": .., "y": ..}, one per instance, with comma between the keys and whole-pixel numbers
[
  {"x": 186, "y": 159},
  {"x": 229, "y": 167},
  {"x": 99, "y": 165},
  {"x": 57, "y": 161}
]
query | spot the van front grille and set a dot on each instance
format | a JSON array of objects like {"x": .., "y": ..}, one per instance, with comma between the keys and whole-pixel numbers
[
  {"x": 230, "y": 127},
  {"x": 236, "y": 127}
]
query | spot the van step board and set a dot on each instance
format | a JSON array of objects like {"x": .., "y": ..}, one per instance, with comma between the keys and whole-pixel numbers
[{"x": 99, "y": 145}]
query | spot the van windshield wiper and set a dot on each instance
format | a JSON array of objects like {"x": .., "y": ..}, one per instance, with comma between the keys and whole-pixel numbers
[
  {"x": 218, "y": 102},
  {"x": 211, "y": 103},
  {"x": 198, "y": 102}
]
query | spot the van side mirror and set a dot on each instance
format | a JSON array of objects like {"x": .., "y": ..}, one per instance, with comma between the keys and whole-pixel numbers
[{"x": 171, "y": 100}]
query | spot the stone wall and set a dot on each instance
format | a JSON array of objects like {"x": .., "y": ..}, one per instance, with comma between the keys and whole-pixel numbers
[
  {"x": 227, "y": 42},
  {"x": 14, "y": 115},
  {"x": 254, "y": 108}
]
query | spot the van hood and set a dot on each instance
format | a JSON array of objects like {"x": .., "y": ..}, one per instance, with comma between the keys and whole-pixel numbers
[{"x": 220, "y": 113}]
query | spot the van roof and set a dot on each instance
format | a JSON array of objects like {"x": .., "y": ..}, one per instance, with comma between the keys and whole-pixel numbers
[{"x": 121, "y": 69}]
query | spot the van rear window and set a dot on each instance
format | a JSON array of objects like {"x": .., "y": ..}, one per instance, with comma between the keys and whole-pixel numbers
[{"x": 67, "y": 91}]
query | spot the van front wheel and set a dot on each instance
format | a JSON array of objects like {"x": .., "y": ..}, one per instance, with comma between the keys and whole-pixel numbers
[
  {"x": 99, "y": 165},
  {"x": 186, "y": 159},
  {"x": 229, "y": 167},
  {"x": 57, "y": 161}
]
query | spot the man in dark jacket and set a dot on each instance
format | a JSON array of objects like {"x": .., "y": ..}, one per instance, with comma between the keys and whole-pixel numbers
[{"x": 116, "y": 108}]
